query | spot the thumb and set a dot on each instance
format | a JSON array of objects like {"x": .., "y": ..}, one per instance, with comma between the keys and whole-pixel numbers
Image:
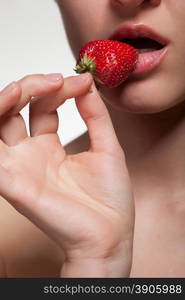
[{"x": 97, "y": 119}]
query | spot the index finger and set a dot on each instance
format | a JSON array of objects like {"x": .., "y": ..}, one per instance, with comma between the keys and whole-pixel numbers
[{"x": 73, "y": 86}]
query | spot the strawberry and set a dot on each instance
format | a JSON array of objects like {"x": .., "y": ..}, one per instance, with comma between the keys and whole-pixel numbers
[{"x": 109, "y": 61}]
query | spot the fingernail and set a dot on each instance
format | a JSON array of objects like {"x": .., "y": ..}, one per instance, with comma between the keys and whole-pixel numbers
[
  {"x": 8, "y": 88},
  {"x": 82, "y": 77},
  {"x": 53, "y": 77}
]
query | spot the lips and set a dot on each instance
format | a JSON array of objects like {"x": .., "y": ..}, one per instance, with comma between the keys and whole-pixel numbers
[{"x": 151, "y": 46}]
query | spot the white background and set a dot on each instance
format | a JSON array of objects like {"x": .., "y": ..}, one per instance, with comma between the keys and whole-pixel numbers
[{"x": 33, "y": 40}]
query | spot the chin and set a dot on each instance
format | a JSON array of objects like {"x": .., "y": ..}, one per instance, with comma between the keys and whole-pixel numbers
[{"x": 141, "y": 97}]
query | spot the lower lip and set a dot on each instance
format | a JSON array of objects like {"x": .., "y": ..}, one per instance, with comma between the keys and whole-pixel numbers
[{"x": 148, "y": 61}]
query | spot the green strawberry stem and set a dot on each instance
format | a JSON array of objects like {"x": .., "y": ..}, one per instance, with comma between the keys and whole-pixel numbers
[{"x": 88, "y": 64}]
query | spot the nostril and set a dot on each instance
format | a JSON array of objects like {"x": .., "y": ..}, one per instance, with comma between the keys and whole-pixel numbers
[
  {"x": 129, "y": 3},
  {"x": 155, "y": 2}
]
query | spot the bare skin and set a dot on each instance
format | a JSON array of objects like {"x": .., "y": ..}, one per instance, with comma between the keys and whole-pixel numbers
[
  {"x": 153, "y": 147},
  {"x": 148, "y": 116},
  {"x": 69, "y": 197}
]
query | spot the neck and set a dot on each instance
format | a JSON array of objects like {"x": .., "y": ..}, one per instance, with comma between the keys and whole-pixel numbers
[{"x": 154, "y": 146}]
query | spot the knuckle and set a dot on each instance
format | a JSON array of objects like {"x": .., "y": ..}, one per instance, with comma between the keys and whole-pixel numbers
[
  {"x": 117, "y": 151},
  {"x": 13, "y": 88},
  {"x": 17, "y": 88},
  {"x": 31, "y": 77},
  {"x": 10, "y": 101},
  {"x": 98, "y": 117},
  {"x": 121, "y": 153}
]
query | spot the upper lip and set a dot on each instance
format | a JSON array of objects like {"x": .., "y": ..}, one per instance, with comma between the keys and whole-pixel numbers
[{"x": 138, "y": 31}]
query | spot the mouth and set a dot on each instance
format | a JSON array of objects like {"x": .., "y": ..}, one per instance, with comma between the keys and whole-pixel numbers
[{"x": 150, "y": 45}]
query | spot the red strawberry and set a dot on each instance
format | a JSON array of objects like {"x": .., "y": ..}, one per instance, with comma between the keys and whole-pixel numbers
[{"x": 110, "y": 62}]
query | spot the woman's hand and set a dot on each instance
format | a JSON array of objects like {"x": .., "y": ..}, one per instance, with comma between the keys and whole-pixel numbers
[{"x": 84, "y": 201}]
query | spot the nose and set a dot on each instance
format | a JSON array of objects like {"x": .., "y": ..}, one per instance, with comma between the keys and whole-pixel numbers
[
  {"x": 136, "y": 3},
  {"x": 130, "y": 3}
]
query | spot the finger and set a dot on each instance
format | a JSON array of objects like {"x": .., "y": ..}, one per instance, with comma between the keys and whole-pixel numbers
[
  {"x": 9, "y": 97},
  {"x": 37, "y": 85},
  {"x": 97, "y": 119},
  {"x": 43, "y": 115},
  {"x": 13, "y": 130}
]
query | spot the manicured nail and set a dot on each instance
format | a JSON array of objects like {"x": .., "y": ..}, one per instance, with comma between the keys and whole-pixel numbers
[
  {"x": 53, "y": 77},
  {"x": 8, "y": 88}
]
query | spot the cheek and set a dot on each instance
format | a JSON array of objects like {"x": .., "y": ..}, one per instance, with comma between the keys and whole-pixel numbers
[{"x": 84, "y": 21}]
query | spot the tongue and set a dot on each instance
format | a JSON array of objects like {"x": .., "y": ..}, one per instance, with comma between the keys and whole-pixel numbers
[{"x": 143, "y": 43}]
